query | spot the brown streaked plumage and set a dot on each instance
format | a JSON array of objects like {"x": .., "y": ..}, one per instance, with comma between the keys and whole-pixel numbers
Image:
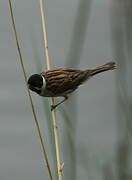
[{"x": 61, "y": 82}]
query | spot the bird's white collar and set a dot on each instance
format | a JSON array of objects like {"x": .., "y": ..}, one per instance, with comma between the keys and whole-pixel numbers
[{"x": 43, "y": 87}]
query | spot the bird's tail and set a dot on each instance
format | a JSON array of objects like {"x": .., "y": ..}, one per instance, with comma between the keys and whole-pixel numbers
[{"x": 99, "y": 69}]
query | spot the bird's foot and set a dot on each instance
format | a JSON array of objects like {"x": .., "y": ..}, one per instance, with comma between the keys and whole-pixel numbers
[{"x": 53, "y": 107}]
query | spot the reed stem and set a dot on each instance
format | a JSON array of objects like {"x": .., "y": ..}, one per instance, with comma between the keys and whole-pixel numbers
[
  {"x": 29, "y": 95},
  {"x": 54, "y": 121}
]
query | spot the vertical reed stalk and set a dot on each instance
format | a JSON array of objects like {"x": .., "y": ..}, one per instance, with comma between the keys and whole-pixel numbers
[
  {"x": 55, "y": 126},
  {"x": 45, "y": 157}
]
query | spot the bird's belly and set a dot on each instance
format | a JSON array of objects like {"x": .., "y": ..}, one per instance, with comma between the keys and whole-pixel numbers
[{"x": 48, "y": 93}]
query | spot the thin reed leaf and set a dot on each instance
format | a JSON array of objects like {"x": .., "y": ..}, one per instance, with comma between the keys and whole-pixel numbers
[
  {"x": 45, "y": 103},
  {"x": 29, "y": 95}
]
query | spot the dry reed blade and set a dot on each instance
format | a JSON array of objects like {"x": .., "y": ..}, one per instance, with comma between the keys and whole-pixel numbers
[{"x": 30, "y": 98}]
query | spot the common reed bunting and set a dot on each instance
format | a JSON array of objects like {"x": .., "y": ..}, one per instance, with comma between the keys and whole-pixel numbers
[{"x": 62, "y": 82}]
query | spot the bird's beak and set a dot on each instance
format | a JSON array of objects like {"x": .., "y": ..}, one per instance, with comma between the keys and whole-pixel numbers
[{"x": 30, "y": 87}]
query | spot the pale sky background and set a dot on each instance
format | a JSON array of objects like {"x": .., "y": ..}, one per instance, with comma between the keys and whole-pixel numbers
[{"x": 96, "y": 124}]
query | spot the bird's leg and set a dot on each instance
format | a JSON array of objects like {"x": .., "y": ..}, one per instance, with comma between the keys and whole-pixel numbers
[{"x": 54, "y": 106}]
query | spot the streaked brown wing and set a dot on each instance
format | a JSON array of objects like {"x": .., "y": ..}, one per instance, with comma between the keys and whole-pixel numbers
[{"x": 62, "y": 81}]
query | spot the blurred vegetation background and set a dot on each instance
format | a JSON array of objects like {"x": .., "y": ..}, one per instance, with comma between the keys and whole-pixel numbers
[{"x": 95, "y": 123}]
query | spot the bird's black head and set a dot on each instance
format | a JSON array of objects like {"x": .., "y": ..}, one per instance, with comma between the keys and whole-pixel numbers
[{"x": 35, "y": 83}]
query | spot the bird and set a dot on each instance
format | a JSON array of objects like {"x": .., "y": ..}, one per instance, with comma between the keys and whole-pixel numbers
[{"x": 62, "y": 82}]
